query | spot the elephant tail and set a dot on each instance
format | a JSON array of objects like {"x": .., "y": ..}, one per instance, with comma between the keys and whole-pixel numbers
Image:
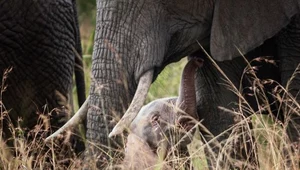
[
  {"x": 79, "y": 73},
  {"x": 79, "y": 79}
]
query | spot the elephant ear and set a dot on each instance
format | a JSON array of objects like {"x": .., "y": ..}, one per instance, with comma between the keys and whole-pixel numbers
[{"x": 246, "y": 24}]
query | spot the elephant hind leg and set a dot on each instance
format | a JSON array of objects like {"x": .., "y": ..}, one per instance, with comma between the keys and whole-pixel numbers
[
  {"x": 222, "y": 151},
  {"x": 288, "y": 41},
  {"x": 291, "y": 110}
]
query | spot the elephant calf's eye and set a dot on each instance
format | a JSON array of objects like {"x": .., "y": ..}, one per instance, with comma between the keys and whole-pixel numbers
[{"x": 155, "y": 120}]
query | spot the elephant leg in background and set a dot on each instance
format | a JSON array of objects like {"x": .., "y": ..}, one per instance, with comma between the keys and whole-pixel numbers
[
  {"x": 37, "y": 40},
  {"x": 212, "y": 93},
  {"x": 289, "y": 53}
]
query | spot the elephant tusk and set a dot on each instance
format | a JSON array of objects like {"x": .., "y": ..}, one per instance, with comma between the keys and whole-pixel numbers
[
  {"x": 78, "y": 116},
  {"x": 136, "y": 104}
]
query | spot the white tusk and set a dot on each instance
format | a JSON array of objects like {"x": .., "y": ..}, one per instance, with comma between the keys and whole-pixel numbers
[
  {"x": 136, "y": 104},
  {"x": 75, "y": 120}
]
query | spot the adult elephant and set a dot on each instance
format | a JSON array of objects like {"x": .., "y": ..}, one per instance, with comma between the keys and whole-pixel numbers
[
  {"x": 136, "y": 39},
  {"x": 39, "y": 47}
]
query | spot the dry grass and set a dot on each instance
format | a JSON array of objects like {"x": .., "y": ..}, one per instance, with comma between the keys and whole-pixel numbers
[
  {"x": 25, "y": 148},
  {"x": 29, "y": 151},
  {"x": 273, "y": 147}
]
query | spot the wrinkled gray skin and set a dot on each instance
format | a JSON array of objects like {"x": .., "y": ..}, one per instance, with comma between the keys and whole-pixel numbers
[
  {"x": 134, "y": 36},
  {"x": 40, "y": 41}
]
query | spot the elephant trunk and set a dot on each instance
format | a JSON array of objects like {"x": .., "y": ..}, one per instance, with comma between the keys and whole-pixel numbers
[
  {"x": 187, "y": 95},
  {"x": 125, "y": 49},
  {"x": 113, "y": 74}
]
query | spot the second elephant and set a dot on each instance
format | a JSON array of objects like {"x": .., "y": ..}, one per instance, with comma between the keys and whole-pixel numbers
[{"x": 39, "y": 48}]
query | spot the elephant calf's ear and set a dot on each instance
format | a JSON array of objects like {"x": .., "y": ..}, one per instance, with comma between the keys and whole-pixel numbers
[{"x": 246, "y": 24}]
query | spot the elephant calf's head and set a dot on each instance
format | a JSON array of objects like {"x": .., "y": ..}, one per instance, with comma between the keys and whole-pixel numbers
[{"x": 156, "y": 122}]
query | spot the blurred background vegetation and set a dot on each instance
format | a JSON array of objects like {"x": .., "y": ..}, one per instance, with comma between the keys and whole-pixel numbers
[{"x": 167, "y": 83}]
